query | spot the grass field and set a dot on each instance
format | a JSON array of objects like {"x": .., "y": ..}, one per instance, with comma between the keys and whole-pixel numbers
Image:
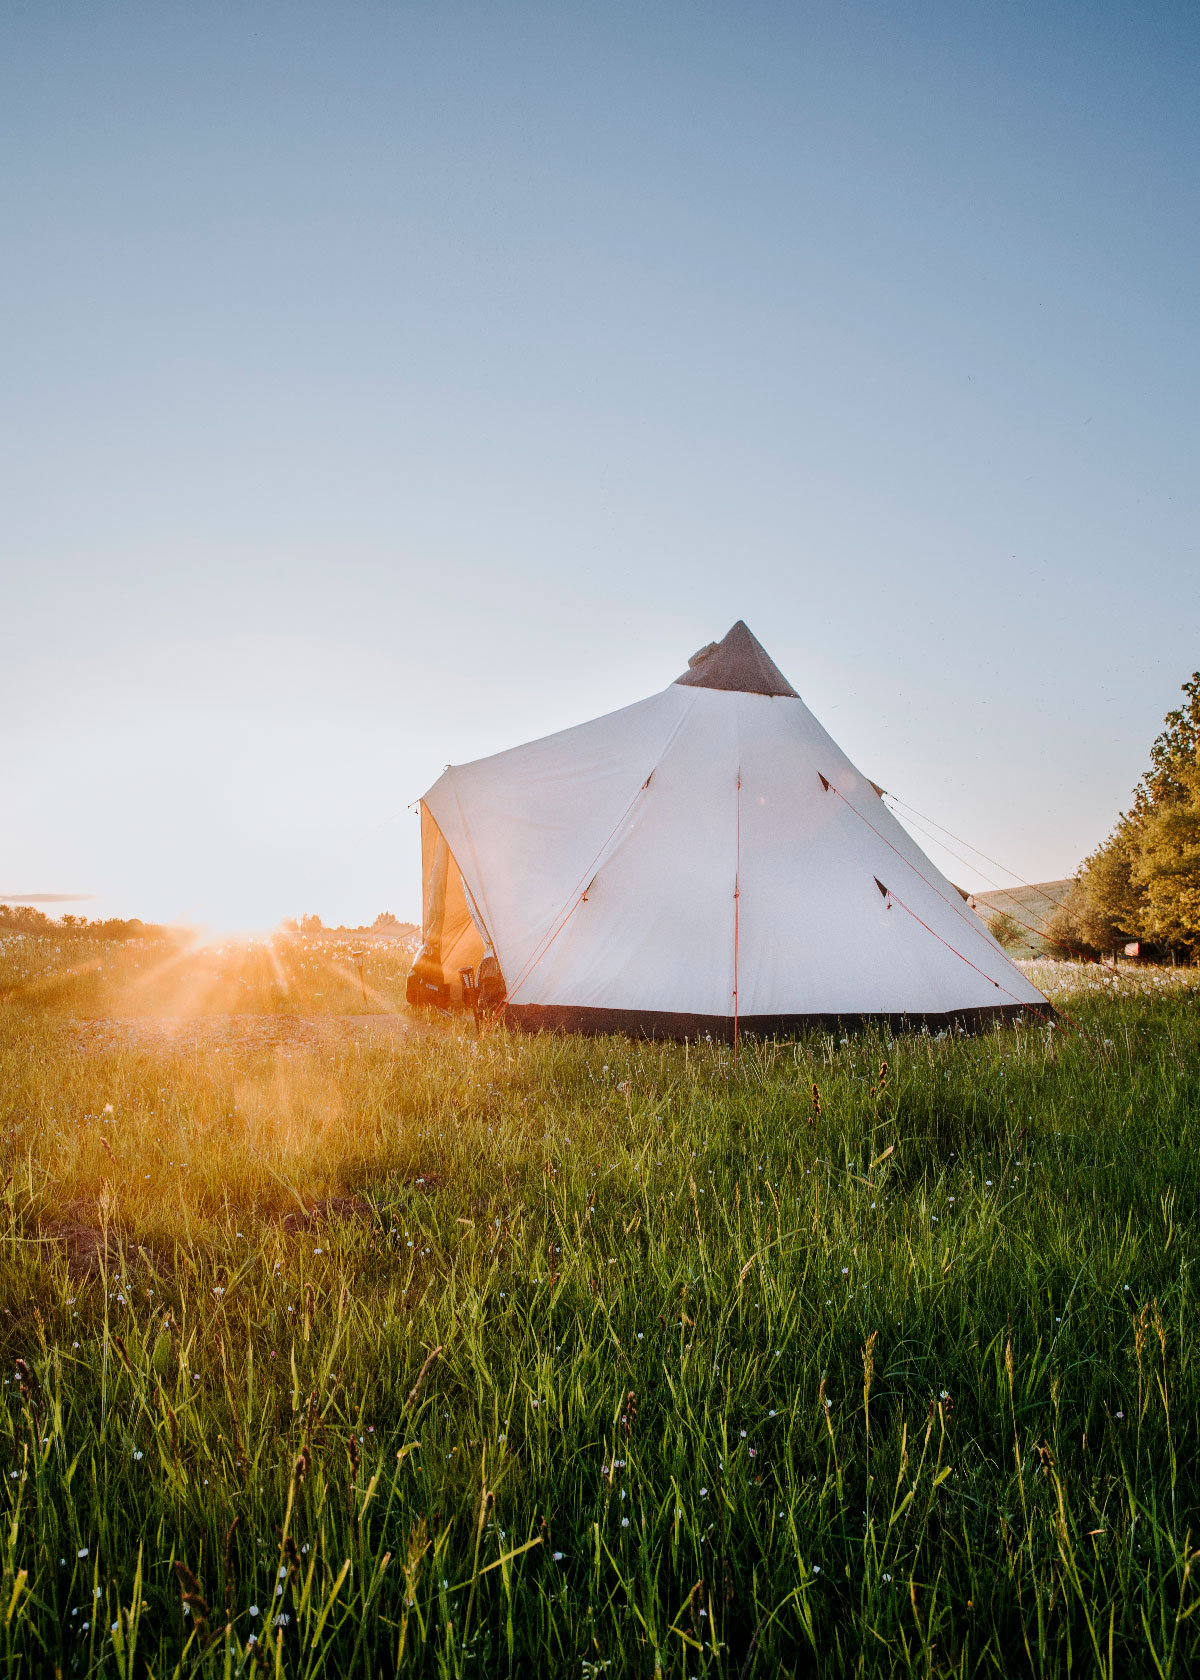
[{"x": 493, "y": 1355}]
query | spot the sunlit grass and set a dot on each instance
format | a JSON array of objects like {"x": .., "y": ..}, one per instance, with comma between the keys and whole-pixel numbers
[
  {"x": 188, "y": 975},
  {"x": 669, "y": 1298}
]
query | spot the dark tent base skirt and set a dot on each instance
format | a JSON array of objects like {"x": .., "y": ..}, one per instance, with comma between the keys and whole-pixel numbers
[{"x": 640, "y": 1023}]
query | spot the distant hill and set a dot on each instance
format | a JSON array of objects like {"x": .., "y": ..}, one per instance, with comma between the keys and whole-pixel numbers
[{"x": 1031, "y": 907}]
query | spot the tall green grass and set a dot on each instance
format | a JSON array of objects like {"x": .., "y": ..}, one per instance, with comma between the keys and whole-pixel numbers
[{"x": 633, "y": 1364}]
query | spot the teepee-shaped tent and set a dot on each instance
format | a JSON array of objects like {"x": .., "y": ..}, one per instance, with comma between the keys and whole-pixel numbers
[{"x": 704, "y": 860}]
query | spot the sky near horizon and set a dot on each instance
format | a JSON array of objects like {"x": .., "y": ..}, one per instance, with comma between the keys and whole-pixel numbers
[{"x": 385, "y": 385}]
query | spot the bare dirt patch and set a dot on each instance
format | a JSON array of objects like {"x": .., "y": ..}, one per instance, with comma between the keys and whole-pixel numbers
[
  {"x": 330, "y": 1207},
  {"x": 90, "y": 1249}
]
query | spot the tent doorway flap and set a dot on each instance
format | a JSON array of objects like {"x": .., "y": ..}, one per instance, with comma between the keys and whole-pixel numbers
[{"x": 453, "y": 943}]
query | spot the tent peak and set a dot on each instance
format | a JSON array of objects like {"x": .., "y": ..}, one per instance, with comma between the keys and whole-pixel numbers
[{"x": 738, "y": 662}]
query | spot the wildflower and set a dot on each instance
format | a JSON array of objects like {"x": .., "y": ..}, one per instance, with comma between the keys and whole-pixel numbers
[
  {"x": 704, "y": 1493},
  {"x": 82, "y": 1552},
  {"x": 254, "y": 1609},
  {"x": 624, "y": 1522}
]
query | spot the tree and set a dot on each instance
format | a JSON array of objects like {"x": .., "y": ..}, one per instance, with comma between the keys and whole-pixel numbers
[
  {"x": 311, "y": 924},
  {"x": 1167, "y": 867},
  {"x": 1175, "y": 753},
  {"x": 1144, "y": 881}
]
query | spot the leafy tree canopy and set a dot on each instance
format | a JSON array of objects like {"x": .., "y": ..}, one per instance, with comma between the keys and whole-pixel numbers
[{"x": 1143, "y": 883}]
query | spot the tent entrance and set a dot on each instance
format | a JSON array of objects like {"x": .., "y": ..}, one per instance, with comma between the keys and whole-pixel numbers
[{"x": 456, "y": 967}]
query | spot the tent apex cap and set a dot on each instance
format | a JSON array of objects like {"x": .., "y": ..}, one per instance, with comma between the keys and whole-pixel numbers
[{"x": 738, "y": 663}]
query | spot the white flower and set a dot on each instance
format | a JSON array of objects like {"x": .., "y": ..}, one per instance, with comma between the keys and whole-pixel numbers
[
  {"x": 254, "y": 1609},
  {"x": 82, "y": 1552}
]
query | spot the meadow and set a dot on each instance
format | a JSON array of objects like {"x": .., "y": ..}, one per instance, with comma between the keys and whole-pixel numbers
[{"x": 430, "y": 1351}]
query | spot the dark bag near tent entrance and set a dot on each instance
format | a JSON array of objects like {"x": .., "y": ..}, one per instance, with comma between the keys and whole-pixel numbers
[{"x": 425, "y": 987}]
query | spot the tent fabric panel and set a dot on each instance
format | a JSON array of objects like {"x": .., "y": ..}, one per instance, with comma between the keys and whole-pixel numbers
[
  {"x": 528, "y": 825},
  {"x": 656, "y": 931},
  {"x": 816, "y": 935}
]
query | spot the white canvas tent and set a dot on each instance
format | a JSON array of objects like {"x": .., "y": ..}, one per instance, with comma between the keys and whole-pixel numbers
[{"x": 705, "y": 861}]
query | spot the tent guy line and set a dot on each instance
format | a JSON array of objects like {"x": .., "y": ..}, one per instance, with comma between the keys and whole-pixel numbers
[
  {"x": 972, "y": 921},
  {"x": 958, "y": 839}
]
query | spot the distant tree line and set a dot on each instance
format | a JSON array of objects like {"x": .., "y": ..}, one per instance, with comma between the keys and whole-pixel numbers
[
  {"x": 1143, "y": 883},
  {"x": 24, "y": 918},
  {"x": 385, "y": 925}
]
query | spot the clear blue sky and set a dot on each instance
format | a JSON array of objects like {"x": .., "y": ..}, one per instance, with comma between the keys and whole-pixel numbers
[{"x": 382, "y": 385}]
